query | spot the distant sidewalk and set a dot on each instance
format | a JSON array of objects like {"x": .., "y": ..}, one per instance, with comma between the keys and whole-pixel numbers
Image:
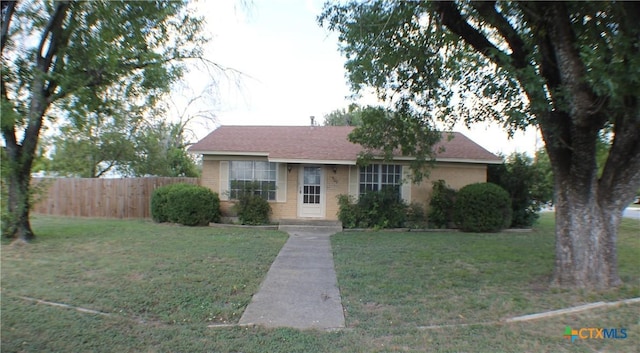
[
  {"x": 631, "y": 212},
  {"x": 300, "y": 289}
]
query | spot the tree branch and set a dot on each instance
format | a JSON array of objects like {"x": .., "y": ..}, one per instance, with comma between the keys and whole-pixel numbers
[
  {"x": 453, "y": 20},
  {"x": 39, "y": 102},
  {"x": 624, "y": 156},
  {"x": 8, "y": 131},
  {"x": 490, "y": 14},
  {"x": 103, "y": 171},
  {"x": 51, "y": 35},
  {"x": 572, "y": 69},
  {"x": 8, "y": 8}
]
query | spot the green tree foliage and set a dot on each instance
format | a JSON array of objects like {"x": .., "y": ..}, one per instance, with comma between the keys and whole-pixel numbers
[
  {"x": 542, "y": 165},
  {"x": 526, "y": 184},
  {"x": 127, "y": 144},
  {"x": 344, "y": 117},
  {"x": 383, "y": 133},
  {"x": 83, "y": 60},
  {"x": 161, "y": 150},
  {"x": 441, "y": 205},
  {"x": 126, "y": 148},
  {"x": 570, "y": 68},
  {"x": 95, "y": 147},
  {"x": 482, "y": 207}
]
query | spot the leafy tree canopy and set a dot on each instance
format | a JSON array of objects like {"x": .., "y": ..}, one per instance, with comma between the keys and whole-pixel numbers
[{"x": 412, "y": 56}]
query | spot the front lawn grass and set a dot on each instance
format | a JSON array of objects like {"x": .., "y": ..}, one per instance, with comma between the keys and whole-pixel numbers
[
  {"x": 153, "y": 272},
  {"x": 470, "y": 283},
  {"x": 164, "y": 284}
]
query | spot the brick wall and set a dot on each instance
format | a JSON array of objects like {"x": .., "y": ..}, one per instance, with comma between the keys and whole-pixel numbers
[
  {"x": 288, "y": 209},
  {"x": 211, "y": 179},
  {"x": 336, "y": 183}
]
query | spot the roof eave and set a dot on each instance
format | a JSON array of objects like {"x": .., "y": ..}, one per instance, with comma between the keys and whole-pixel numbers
[
  {"x": 313, "y": 161},
  {"x": 230, "y": 153},
  {"x": 469, "y": 160},
  {"x": 449, "y": 160}
]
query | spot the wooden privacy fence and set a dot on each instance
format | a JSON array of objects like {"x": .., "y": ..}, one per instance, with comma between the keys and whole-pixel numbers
[{"x": 93, "y": 197}]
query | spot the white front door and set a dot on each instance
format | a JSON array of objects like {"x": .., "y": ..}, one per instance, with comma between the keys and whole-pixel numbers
[{"x": 311, "y": 192}]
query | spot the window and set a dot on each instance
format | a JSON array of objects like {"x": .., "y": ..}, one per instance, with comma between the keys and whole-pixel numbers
[
  {"x": 376, "y": 177},
  {"x": 242, "y": 173}
]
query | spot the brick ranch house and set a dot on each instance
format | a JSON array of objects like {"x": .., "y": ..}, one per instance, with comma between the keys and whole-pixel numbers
[{"x": 302, "y": 169}]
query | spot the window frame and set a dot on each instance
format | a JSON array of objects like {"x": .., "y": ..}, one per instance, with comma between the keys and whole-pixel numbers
[
  {"x": 251, "y": 174},
  {"x": 377, "y": 177}
]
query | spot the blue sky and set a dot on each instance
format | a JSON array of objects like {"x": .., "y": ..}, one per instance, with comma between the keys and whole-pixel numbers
[{"x": 292, "y": 69}]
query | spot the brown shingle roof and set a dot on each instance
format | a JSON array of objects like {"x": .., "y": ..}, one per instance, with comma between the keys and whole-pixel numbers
[{"x": 328, "y": 144}]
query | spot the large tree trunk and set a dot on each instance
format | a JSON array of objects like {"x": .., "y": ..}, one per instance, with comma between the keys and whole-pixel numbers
[
  {"x": 18, "y": 226},
  {"x": 588, "y": 208},
  {"x": 20, "y": 159},
  {"x": 585, "y": 237},
  {"x": 20, "y": 154}
]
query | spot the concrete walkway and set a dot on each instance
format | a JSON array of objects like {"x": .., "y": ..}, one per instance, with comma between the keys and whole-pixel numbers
[{"x": 300, "y": 289}]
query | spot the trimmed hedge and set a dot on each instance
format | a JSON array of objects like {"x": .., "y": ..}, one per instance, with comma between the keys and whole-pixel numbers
[
  {"x": 186, "y": 204},
  {"x": 482, "y": 207}
]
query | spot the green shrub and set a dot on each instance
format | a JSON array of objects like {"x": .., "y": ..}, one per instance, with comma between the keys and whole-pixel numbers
[
  {"x": 482, "y": 207},
  {"x": 252, "y": 207},
  {"x": 160, "y": 202},
  {"x": 193, "y": 206},
  {"x": 381, "y": 209},
  {"x": 376, "y": 209},
  {"x": 441, "y": 205},
  {"x": 347, "y": 211},
  {"x": 416, "y": 216},
  {"x": 186, "y": 204}
]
